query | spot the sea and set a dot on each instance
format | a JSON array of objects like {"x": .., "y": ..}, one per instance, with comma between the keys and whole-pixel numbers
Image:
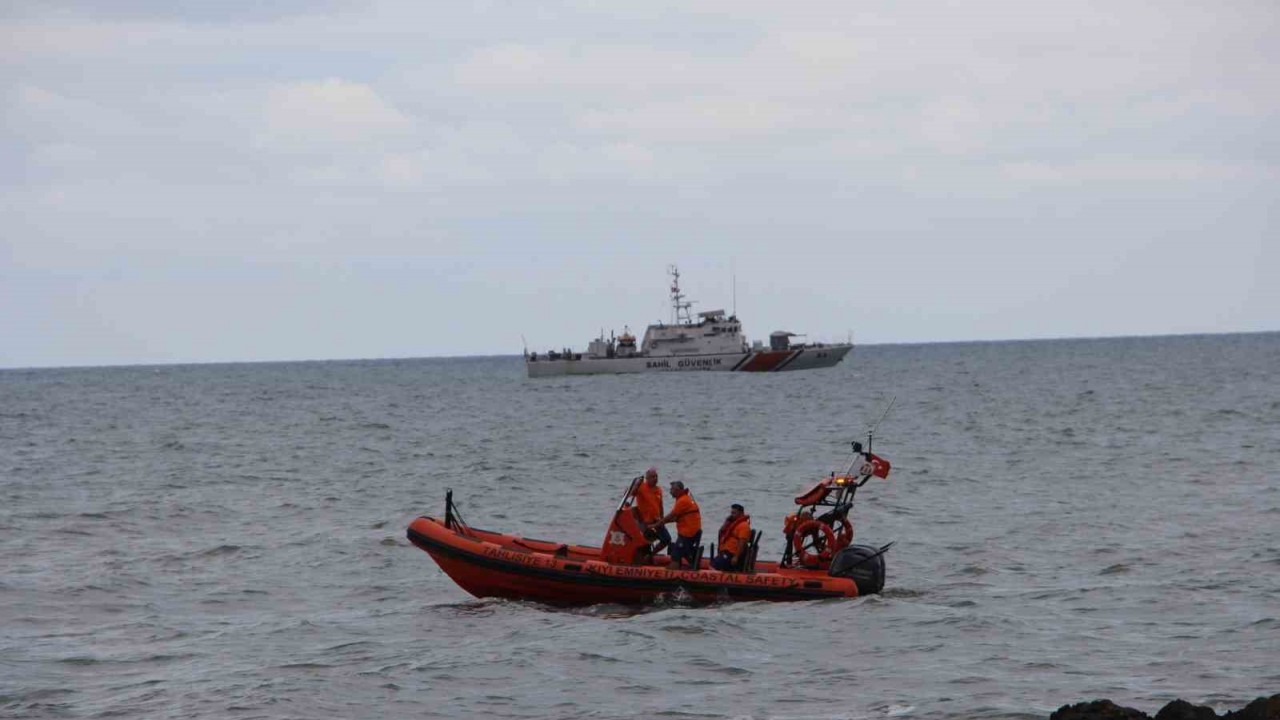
[{"x": 1073, "y": 519}]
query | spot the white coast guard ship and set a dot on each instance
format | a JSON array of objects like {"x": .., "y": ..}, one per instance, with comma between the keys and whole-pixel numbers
[{"x": 713, "y": 342}]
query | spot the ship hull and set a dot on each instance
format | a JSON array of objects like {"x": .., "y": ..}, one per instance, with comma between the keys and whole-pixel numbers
[
  {"x": 490, "y": 564},
  {"x": 803, "y": 358}
]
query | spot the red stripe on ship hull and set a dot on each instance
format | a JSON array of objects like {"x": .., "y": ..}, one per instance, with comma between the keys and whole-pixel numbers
[{"x": 765, "y": 361}]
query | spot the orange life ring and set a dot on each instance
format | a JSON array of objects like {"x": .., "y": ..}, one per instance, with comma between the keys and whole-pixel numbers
[{"x": 824, "y": 542}]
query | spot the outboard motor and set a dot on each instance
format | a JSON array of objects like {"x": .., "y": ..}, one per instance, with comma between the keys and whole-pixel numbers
[{"x": 863, "y": 564}]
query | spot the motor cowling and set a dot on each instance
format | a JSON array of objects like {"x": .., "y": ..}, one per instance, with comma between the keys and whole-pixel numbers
[{"x": 863, "y": 564}]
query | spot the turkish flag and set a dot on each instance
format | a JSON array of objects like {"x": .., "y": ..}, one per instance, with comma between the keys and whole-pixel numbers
[{"x": 879, "y": 466}]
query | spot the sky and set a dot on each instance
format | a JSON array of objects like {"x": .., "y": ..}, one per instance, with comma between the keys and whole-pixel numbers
[{"x": 187, "y": 181}]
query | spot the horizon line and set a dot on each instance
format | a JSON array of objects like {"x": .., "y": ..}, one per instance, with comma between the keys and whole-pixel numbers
[{"x": 183, "y": 363}]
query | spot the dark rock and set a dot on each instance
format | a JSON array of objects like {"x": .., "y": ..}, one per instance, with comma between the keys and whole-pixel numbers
[
  {"x": 1098, "y": 710},
  {"x": 1264, "y": 708},
  {"x": 1260, "y": 709},
  {"x": 1183, "y": 710}
]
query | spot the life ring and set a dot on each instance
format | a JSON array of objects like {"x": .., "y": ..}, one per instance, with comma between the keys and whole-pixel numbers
[{"x": 823, "y": 543}]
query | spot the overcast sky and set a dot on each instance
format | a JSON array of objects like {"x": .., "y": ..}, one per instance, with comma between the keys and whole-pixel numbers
[{"x": 193, "y": 181}]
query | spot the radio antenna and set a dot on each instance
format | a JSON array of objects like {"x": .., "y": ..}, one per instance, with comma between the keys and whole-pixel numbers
[
  {"x": 871, "y": 433},
  {"x": 733, "y": 283}
]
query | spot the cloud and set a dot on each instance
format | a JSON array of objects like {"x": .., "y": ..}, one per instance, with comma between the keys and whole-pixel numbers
[
  {"x": 956, "y": 125},
  {"x": 63, "y": 155},
  {"x": 403, "y": 170},
  {"x": 330, "y": 110},
  {"x": 1129, "y": 170},
  {"x": 904, "y": 133},
  {"x": 52, "y": 115},
  {"x": 709, "y": 118},
  {"x": 593, "y": 69}
]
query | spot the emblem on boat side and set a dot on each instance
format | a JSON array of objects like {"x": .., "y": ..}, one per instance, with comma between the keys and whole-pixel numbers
[{"x": 617, "y": 537}]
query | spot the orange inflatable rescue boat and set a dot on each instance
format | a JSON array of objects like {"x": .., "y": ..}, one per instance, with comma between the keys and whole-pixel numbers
[{"x": 819, "y": 560}]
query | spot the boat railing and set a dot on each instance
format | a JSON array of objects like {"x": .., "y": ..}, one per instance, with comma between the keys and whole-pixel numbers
[{"x": 452, "y": 518}]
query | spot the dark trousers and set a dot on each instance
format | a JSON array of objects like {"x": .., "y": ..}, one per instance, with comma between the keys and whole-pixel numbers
[
  {"x": 723, "y": 561},
  {"x": 686, "y": 547},
  {"x": 662, "y": 535}
]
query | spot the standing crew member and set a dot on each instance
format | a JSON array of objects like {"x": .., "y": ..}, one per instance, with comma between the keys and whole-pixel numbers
[
  {"x": 735, "y": 534},
  {"x": 648, "y": 496},
  {"x": 688, "y": 519}
]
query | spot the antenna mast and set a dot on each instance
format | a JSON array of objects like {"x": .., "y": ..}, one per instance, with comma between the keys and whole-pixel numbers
[
  {"x": 679, "y": 306},
  {"x": 871, "y": 433},
  {"x": 733, "y": 283}
]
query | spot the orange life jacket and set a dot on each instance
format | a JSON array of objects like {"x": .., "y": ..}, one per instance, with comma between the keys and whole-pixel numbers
[
  {"x": 649, "y": 502},
  {"x": 688, "y": 516},
  {"x": 734, "y": 535}
]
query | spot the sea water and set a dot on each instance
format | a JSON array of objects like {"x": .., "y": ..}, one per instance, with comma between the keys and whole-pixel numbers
[{"x": 1074, "y": 519}]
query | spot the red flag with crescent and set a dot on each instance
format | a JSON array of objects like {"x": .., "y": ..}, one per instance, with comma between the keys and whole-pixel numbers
[{"x": 875, "y": 465}]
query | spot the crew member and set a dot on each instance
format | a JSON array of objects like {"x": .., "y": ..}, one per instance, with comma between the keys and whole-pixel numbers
[
  {"x": 735, "y": 535},
  {"x": 688, "y": 519},
  {"x": 648, "y": 496}
]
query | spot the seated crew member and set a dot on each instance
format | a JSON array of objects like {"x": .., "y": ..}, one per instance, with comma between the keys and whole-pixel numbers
[
  {"x": 735, "y": 533},
  {"x": 648, "y": 496},
  {"x": 688, "y": 519}
]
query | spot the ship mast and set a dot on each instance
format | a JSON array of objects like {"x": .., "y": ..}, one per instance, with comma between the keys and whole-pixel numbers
[{"x": 679, "y": 306}]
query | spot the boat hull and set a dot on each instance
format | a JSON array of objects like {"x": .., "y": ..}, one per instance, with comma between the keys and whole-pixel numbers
[
  {"x": 488, "y": 564},
  {"x": 803, "y": 358}
]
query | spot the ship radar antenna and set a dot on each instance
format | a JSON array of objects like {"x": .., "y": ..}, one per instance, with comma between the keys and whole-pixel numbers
[{"x": 679, "y": 306}]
